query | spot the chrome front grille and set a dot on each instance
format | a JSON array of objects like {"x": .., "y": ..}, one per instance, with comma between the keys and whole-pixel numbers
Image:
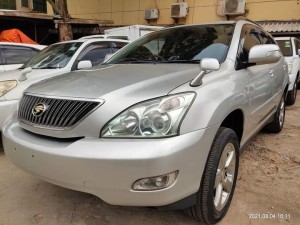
[{"x": 59, "y": 114}]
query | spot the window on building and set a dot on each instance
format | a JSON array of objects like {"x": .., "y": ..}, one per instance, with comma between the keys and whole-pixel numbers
[
  {"x": 40, "y": 6},
  {"x": 25, "y": 3},
  {"x": 8, "y": 4}
]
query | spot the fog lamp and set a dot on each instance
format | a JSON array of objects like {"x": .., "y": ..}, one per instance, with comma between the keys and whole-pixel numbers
[{"x": 155, "y": 183}]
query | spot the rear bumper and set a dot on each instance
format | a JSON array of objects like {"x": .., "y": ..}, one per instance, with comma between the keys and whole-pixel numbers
[{"x": 107, "y": 168}]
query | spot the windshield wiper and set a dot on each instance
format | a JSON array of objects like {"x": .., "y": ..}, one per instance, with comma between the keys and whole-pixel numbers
[
  {"x": 137, "y": 60},
  {"x": 181, "y": 61},
  {"x": 48, "y": 67}
]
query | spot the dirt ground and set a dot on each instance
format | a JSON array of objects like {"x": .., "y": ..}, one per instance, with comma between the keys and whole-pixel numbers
[{"x": 268, "y": 186}]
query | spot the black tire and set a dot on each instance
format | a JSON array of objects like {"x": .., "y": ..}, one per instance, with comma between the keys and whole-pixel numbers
[
  {"x": 205, "y": 210},
  {"x": 292, "y": 95},
  {"x": 277, "y": 124}
]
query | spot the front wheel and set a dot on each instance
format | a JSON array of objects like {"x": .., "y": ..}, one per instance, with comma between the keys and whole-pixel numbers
[{"x": 219, "y": 179}]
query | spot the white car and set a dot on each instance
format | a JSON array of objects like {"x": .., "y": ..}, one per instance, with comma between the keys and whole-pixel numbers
[
  {"x": 104, "y": 36},
  {"x": 56, "y": 59},
  {"x": 14, "y": 55},
  {"x": 290, "y": 48}
]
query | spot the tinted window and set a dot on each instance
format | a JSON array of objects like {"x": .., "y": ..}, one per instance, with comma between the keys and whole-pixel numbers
[
  {"x": 96, "y": 55},
  {"x": 266, "y": 38},
  {"x": 17, "y": 55},
  {"x": 182, "y": 44},
  {"x": 117, "y": 45},
  {"x": 249, "y": 37},
  {"x": 96, "y": 52},
  {"x": 286, "y": 47}
]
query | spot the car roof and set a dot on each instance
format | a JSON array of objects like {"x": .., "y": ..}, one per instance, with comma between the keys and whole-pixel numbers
[
  {"x": 40, "y": 47},
  {"x": 233, "y": 22},
  {"x": 103, "y": 36},
  {"x": 92, "y": 40}
]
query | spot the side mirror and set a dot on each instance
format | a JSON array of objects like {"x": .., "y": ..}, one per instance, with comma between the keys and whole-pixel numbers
[
  {"x": 209, "y": 64},
  {"x": 84, "y": 64},
  {"x": 206, "y": 65},
  {"x": 264, "y": 54},
  {"x": 24, "y": 72}
]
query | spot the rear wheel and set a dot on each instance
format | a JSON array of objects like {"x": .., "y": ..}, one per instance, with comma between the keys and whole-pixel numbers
[
  {"x": 292, "y": 95},
  {"x": 219, "y": 179},
  {"x": 277, "y": 124}
]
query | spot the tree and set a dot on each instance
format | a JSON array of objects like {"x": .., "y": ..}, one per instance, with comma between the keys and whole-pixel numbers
[{"x": 60, "y": 7}]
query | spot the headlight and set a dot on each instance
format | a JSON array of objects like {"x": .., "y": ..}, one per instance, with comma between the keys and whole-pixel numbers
[
  {"x": 6, "y": 86},
  {"x": 154, "y": 118},
  {"x": 290, "y": 67}
]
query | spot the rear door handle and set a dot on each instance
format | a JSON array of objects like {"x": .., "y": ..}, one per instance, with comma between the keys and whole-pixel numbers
[{"x": 271, "y": 73}]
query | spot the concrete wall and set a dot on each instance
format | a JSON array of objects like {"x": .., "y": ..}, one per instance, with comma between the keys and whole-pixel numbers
[{"x": 126, "y": 12}]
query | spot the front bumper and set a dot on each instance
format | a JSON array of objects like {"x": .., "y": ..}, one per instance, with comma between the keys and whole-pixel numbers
[
  {"x": 6, "y": 109},
  {"x": 107, "y": 168}
]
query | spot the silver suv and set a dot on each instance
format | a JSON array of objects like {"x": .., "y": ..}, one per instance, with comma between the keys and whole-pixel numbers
[{"x": 148, "y": 128}]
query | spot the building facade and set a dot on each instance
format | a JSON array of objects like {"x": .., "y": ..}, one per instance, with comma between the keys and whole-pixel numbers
[
  {"x": 126, "y": 12},
  {"x": 280, "y": 17}
]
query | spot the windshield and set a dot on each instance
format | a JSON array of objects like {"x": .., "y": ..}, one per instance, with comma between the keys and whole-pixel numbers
[
  {"x": 54, "y": 56},
  {"x": 188, "y": 44},
  {"x": 286, "y": 47}
]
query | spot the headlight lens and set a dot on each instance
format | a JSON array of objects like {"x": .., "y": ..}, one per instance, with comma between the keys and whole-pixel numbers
[
  {"x": 290, "y": 67},
  {"x": 6, "y": 86},
  {"x": 154, "y": 118}
]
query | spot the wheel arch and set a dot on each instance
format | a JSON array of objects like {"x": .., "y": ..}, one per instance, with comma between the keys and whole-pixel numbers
[{"x": 235, "y": 121}]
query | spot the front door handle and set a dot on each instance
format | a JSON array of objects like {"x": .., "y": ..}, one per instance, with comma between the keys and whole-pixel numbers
[{"x": 271, "y": 73}]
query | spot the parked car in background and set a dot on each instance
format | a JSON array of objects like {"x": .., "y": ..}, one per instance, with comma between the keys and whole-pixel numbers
[
  {"x": 148, "y": 127},
  {"x": 104, "y": 36},
  {"x": 14, "y": 55},
  {"x": 290, "y": 47},
  {"x": 131, "y": 33},
  {"x": 54, "y": 60}
]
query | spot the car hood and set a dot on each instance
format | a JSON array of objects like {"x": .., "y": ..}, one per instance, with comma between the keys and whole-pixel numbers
[
  {"x": 34, "y": 74},
  {"x": 131, "y": 80},
  {"x": 10, "y": 75}
]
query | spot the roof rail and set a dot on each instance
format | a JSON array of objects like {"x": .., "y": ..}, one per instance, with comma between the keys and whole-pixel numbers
[{"x": 246, "y": 19}]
